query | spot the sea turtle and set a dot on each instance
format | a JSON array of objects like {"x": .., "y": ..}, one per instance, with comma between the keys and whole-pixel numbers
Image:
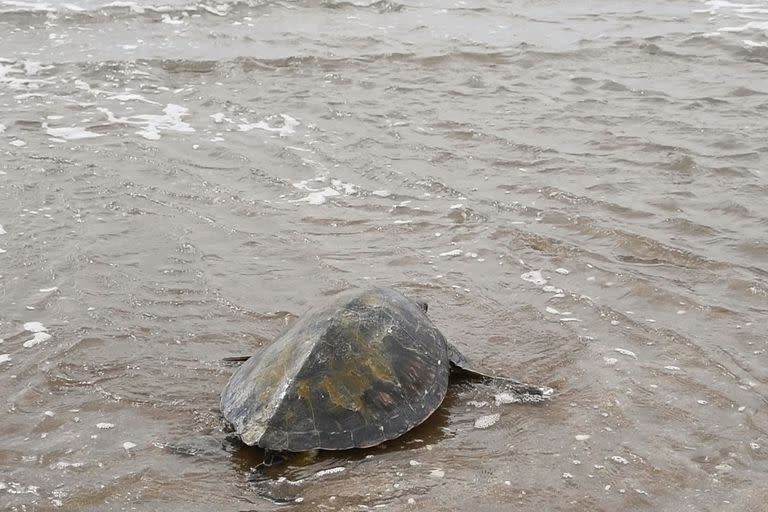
[{"x": 361, "y": 370}]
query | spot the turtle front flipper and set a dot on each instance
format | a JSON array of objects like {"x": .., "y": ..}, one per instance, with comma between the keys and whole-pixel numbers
[{"x": 460, "y": 362}]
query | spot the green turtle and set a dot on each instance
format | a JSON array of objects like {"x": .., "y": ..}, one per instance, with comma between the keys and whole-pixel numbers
[{"x": 363, "y": 369}]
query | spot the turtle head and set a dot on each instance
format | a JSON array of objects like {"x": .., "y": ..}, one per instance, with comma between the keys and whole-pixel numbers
[{"x": 423, "y": 305}]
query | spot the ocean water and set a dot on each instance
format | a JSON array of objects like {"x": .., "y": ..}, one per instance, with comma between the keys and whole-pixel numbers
[{"x": 579, "y": 190}]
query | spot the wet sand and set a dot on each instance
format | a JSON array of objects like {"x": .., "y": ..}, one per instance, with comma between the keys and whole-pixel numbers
[{"x": 579, "y": 192}]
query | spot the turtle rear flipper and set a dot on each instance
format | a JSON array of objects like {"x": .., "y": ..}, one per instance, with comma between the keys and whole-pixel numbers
[
  {"x": 459, "y": 361},
  {"x": 236, "y": 359}
]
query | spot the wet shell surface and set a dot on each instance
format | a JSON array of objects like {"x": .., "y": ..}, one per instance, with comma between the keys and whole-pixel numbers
[{"x": 365, "y": 368}]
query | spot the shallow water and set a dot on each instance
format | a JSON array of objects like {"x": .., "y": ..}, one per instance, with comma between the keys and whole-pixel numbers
[{"x": 578, "y": 190}]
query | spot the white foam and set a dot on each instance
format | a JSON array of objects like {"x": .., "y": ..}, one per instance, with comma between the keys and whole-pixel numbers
[
  {"x": 51, "y": 289},
  {"x": 125, "y": 97},
  {"x": 214, "y": 11},
  {"x": 166, "y": 18},
  {"x": 437, "y": 473},
  {"x": 330, "y": 471},
  {"x": 128, "y": 445},
  {"x": 563, "y": 271},
  {"x": 40, "y": 334},
  {"x": 219, "y": 118},
  {"x": 70, "y": 132},
  {"x": 32, "y": 67},
  {"x": 626, "y": 352},
  {"x": 18, "y": 143},
  {"x": 347, "y": 188},
  {"x": 64, "y": 465},
  {"x": 4, "y": 358},
  {"x": 455, "y": 252},
  {"x": 534, "y": 277},
  {"x": 27, "y": 6},
  {"x": 34, "y": 327},
  {"x": 26, "y": 69},
  {"x": 758, "y": 7},
  {"x": 506, "y": 398},
  {"x": 282, "y": 479},
  {"x": 38, "y": 6},
  {"x": 38, "y": 338},
  {"x": 487, "y": 421},
  {"x": 153, "y": 123},
  {"x": 130, "y": 5},
  {"x": 752, "y": 25},
  {"x": 2, "y": 127},
  {"x": 17, "y": 488},
  {"x": 285, "y": 127},
  {"x": 320, "y": 196},
  {"x": 381, "y": 193},
  {"x": 619, "y": 459},
  {"x": 582, "y": 437},
  {"x": 105, "y": 426},
  {"x": 170, "y": 121}
]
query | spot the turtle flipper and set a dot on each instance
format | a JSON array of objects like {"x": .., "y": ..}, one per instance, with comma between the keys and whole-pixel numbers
[
  {"x": 271, "y": 458},
  {"x": 267, "y": 487},
  {"x": 459, "y": 361},
  {"x": 236, "y": 359}
]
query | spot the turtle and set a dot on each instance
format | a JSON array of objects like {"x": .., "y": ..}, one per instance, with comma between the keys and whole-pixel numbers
[{"x": 363, "y": 369}]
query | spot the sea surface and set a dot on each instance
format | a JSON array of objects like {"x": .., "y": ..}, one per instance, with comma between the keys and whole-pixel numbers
[{"x": 578, "y": 189}]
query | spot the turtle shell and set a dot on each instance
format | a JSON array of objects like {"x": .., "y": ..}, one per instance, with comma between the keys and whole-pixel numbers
[{"x": 363, "y": 369}]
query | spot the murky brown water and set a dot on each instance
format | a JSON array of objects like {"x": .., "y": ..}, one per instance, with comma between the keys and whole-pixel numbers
[{"x": 579, "y": 191}]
